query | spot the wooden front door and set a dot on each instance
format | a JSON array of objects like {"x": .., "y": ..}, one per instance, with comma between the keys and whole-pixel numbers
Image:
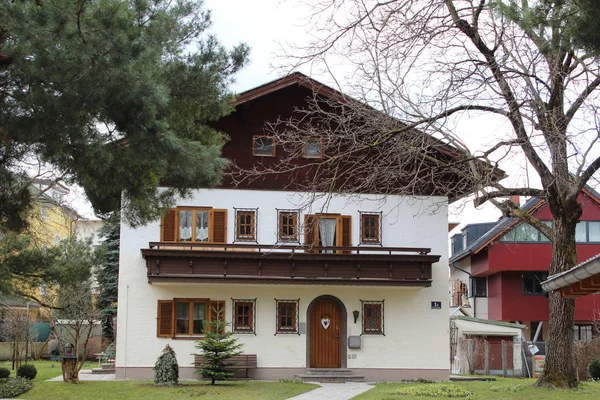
[{"x": 325, "y": 334}]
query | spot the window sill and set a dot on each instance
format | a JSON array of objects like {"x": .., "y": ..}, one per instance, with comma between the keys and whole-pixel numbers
[{"x": 188, "y": 337}]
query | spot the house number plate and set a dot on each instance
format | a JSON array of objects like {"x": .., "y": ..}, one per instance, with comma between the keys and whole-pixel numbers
[{"x": 436, "y": 305}]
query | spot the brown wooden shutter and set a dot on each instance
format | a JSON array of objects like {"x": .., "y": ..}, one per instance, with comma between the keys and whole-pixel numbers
[
  {"x": 168, "y": 226},
  {"x": 164, "y": 326},
  {"x": 218, "y": 226},
  {"x": 310, "y": 232},
  {"x": 345, "y": 227},
  {"x": 217, "y": 310}
]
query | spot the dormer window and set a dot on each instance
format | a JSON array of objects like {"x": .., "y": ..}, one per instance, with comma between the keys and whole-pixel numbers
[{"x": 263, "y": 146}]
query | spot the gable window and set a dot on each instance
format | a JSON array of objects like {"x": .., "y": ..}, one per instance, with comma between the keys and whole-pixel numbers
[
  {"x": 525, "y": 233},
  {"x": 582, "y": 332},
  {"x": 245, "y": 224},
  {"x": 531, "y": 282},
  {"x": 287, "y": 221},
  {"x": 327, "y": 230},
  {"x": 187, "y": 317},
  {"x": 243, "y": 316},
  {"x": 194, "y": 225},
  {"x": 313, "y": 148},
  {"x": 479, "y": 288},
  {"x": 263, "y": 146},
  {"x": 287, "y": 316},
  {"x": 370, "y": 228},
  {"x": 372, "y": 311}
]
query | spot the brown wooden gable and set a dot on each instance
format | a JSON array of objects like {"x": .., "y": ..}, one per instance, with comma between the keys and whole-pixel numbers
[{"x": 276, "y": 101}]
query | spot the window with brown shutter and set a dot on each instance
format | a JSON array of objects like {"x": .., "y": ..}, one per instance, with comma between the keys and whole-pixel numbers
[
  {"x": 328, "y": 230},
  {"x": 186, "y": 318},
  {"x": 194, "y": 225},
  {"x": 165, "y": 319}
]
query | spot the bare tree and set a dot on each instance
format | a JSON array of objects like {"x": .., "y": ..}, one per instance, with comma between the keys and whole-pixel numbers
[
  {"x": 15, "y": 330},
  {"x": 421, "y": 65},
  {"x": 76, "y": 322}
]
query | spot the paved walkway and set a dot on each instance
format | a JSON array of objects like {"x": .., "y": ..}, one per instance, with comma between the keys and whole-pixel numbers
[
  {"x": 334, "y": 391},
  {"x": 86, "y": 375}
]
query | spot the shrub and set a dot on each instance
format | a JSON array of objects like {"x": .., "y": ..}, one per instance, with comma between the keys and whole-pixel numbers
[
  {"x": 13, "y": 387},
  {"x": 27, "y": 371},
  {"x": 594, "y": 369},
  {"x": 110, "y": 352},
  {"x": 4, "y": 373},
  {"x": 166, "y": 369}
]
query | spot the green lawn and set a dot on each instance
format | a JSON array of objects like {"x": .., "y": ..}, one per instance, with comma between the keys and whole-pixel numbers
[
  {"x": 501, "y": 389},
  {"x": 115, "y": 390},
  {"x": 45, "y": 369}
]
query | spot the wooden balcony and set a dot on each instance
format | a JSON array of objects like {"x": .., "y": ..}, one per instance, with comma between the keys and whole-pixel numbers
[{"x": 285, "y": 264}]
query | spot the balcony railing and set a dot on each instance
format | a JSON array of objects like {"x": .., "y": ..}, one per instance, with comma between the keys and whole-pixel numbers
[{"x": 295, "y": 264}]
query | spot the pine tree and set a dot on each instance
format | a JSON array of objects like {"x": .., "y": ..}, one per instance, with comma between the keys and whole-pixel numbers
[
  {"x": 218, "y": 346},
  {"x": 108, "y": 274},
  {"x": 116, "y": 96}
]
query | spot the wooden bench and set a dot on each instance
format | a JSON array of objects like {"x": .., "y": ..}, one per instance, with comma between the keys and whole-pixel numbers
[{"x": 243, "y": 361}]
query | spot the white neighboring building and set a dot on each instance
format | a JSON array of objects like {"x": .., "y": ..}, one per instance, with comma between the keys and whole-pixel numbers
[{"x": 377, "y": 305}]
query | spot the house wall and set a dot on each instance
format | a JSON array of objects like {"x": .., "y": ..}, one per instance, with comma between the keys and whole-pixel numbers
[
  {"x": 416, "y": 337},
  {"x": 477, "y": 306},
  {"x": 507, "y": 303}
]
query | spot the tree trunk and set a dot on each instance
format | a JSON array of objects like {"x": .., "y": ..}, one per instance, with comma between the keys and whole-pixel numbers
[
  {"x": 559, "y": 369},
  {"x": 70, "y": 371}
]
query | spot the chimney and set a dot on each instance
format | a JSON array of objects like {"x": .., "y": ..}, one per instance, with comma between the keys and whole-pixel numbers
[{"x": 516, "y": 199}]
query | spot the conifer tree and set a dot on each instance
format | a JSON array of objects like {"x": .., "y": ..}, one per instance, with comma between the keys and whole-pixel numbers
[
  {"x": 108, "y": 274},
  {"x": 166, "y": 369},
  {"x": 115, "y": 95},
  {"x": 218, "y": 346}
]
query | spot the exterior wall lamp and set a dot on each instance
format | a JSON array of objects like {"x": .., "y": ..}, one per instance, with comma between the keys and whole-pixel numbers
[{"x": 355, "y": 313}]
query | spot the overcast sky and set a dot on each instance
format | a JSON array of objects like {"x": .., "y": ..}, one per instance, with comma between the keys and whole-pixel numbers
[{"x": 265, "y": 25}]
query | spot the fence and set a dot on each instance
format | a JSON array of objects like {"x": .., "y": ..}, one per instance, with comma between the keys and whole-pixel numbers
[{"x": 489, "y": 356}]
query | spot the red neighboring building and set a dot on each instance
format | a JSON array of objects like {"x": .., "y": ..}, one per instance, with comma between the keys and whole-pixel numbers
[{"x": 497, "y": 268}]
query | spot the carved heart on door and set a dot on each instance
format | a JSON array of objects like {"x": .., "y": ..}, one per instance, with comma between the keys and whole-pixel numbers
[{"x": 325, "y": 321}]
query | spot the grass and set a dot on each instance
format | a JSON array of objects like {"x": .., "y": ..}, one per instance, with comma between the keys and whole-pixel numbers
[
  {"x": 115, "y": 390},
  {"x": 134, "y": 390},
  {"x": 501, "y": 389},
  {"x": 45, "y": 369}
]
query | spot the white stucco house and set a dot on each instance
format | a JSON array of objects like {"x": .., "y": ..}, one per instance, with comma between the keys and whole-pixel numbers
[{"x": 355, "y": 282}]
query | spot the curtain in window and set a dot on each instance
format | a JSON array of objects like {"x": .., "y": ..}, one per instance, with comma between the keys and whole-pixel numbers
[
  {"x": 183, "y": 319},
  {"x": 185, "y": 225},
  {"x": 327, "y": 232},
  {"x": 202, "y": 226},
  {"x": 199, "y": 317}
]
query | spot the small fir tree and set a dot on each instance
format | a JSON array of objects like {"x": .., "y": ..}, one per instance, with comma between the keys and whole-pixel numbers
[
  {"x": 218, "y": 346},
  {"x": 166, "y": 369}
]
